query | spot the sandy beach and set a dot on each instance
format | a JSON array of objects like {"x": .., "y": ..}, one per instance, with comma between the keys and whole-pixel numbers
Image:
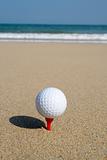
[{"x": 80, "y": 71}]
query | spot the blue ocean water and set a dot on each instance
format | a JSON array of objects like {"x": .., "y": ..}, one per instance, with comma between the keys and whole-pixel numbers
[{"x": 54, "y": 33}]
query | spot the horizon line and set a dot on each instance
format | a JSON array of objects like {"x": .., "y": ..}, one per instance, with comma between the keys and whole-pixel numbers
[{"x": 51, "y": 24}]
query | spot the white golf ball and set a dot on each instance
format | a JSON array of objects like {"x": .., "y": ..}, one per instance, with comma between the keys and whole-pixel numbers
[{"x": 51, "y": 102}]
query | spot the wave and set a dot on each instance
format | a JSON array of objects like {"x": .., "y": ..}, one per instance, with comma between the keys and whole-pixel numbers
[{"x": 49, "y": 37}]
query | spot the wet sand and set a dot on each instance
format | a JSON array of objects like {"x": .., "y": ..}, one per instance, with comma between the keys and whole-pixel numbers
[{"x": 80, "y": 70}]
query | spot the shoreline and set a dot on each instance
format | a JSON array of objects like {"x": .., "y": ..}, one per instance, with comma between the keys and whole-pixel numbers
[{"x": 55, "y": 42}]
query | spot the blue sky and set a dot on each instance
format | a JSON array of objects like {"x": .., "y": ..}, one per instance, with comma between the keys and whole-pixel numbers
[{"x": 54, "y": 11}]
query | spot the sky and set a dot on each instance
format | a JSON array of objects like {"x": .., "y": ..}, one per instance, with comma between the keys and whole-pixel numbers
[{"x": 53, "y": 11}]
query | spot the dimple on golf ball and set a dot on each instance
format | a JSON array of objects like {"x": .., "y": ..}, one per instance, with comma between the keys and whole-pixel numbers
[{"x": 51, "y": 102}]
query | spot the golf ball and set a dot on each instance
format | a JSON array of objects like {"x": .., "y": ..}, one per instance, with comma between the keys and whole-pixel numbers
[{"x": 51, "y": 102}]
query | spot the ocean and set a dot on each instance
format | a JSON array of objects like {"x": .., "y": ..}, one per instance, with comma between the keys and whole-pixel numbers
[{"x": 53, "y": 33}]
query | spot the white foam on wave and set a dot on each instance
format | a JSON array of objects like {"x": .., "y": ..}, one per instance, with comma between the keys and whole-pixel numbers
[{"x": 47, "y": 37}]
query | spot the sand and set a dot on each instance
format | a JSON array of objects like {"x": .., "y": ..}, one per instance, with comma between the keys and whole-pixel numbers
[{"x": 80, "y": 70}]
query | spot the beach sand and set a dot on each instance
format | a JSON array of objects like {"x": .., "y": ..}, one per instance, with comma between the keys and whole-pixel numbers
[{"x": 80, "y": 71}]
